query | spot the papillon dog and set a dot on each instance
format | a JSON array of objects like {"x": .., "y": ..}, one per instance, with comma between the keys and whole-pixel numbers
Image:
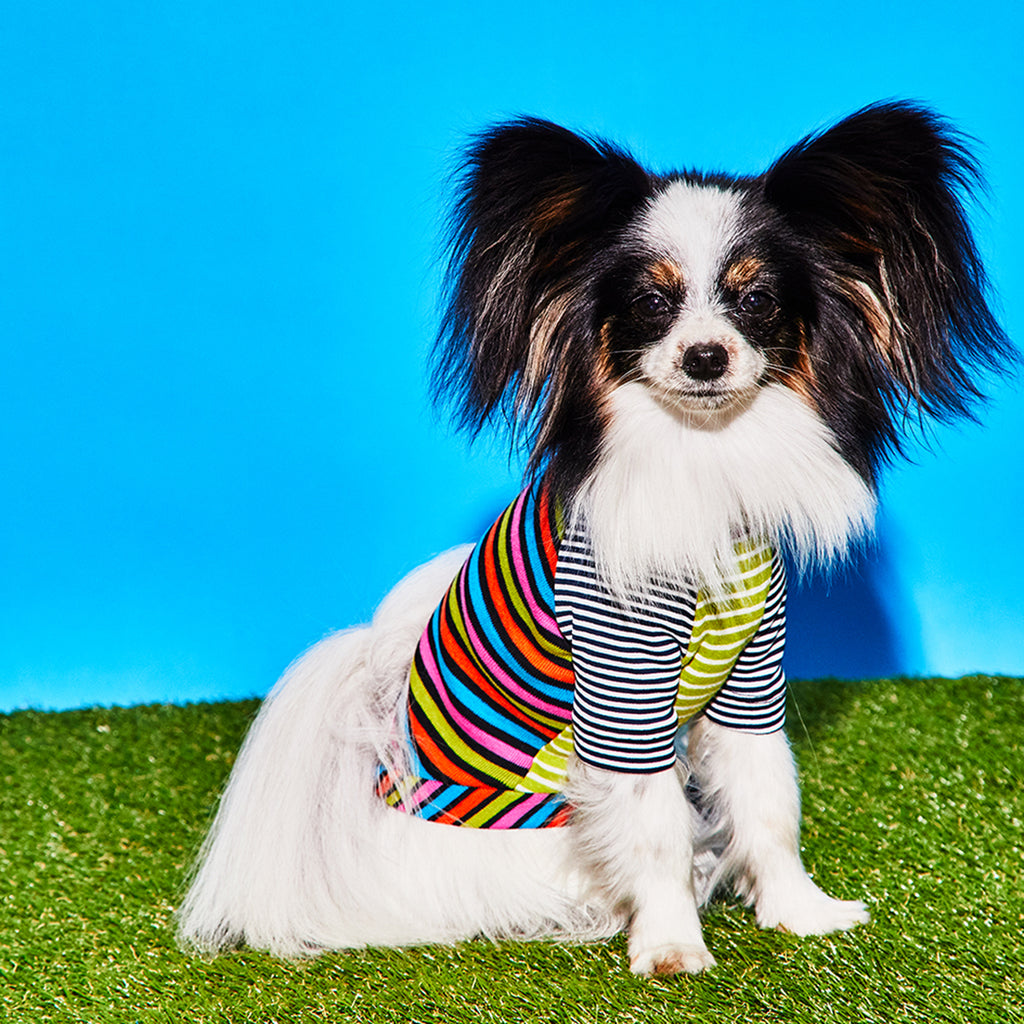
[{"x": 576, "y": 726}]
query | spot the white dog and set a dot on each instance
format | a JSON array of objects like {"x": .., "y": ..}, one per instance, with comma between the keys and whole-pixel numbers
[{"x": 710, "y": 371}]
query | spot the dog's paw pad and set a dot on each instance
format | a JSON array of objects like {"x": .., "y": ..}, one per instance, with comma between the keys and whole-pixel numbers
[{"x": 671, "y": 959}]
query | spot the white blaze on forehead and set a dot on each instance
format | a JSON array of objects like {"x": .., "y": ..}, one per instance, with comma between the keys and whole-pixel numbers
[{"x": 696, "y": 226}]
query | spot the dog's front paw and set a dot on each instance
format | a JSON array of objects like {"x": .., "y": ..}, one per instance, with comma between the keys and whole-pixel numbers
[
  {"x": 671, "y": 958},
  {"x": 800, "y": 907}
]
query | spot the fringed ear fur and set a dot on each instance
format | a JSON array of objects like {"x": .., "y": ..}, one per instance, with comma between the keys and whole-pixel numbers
[
  {"x": 880, "y": 197},
  {"x": 535, "y": 207},
  {"x": 899, "y": 320}
]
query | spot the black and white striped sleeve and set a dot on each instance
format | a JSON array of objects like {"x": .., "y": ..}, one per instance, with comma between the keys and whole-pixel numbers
[
  {"x": 754, "y": 696},
  {"x": 626, "y": 666}
]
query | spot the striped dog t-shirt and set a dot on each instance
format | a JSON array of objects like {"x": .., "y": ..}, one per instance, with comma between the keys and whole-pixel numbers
[{"x": 528, "y": 658}]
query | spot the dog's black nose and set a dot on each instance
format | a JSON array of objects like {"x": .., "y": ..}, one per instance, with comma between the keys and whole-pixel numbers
[{"x": 705, "y": 362}]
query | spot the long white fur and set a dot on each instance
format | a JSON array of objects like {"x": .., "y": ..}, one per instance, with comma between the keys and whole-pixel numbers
[
  {"x": 675, "y": 488},
  {"x": 302, "y": 856},
  {"x": 634, "y": 834},
  {"x": 749, "y": 781}
]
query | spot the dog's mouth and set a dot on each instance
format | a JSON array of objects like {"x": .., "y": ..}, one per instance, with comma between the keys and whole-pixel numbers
[{"x": 681, "y": 395}]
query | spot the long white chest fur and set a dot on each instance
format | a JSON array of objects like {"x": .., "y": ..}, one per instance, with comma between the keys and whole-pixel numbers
[{"x": 674, "y": 490}]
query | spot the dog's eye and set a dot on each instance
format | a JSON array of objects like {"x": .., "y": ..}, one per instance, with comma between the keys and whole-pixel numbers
[
  {"x": 757, "y": 303},
  {"x": 650, "y": 306}
]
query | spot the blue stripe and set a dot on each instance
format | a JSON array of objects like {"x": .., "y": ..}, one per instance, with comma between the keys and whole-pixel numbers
[
  {"x": 545, "y": 591},
  {"x": 543, "y": 813},
  {"x": 464, "y": 695},
  {"x": 484, "y": 621},
  {"x": 443, "y": 798}
]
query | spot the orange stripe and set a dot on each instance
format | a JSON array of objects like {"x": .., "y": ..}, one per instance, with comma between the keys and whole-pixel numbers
[
  {"x": 436, "y": 757},
  {"x": 560, "y": 818},
  {"x": 463, "y": 808},
  {"x": 453, "y": 644},
  {"x": 546, "y": 534},
  {"x": 522, "y": 643}
]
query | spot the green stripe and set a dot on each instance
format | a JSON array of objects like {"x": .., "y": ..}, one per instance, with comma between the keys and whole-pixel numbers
[
  {"x": 454, "y": 746},
  {"x": 722, "y": 628},
  {"x": 493, "y": 807},
  {"x": 548, "y": 771},
  {"x": 525, "y": 620}
]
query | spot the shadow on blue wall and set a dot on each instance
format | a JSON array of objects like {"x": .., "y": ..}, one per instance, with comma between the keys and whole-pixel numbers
[{"x": 857, "y": 624}]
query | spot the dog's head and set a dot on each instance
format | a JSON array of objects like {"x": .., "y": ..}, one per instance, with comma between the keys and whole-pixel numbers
[{"x": 846, "y": 272}]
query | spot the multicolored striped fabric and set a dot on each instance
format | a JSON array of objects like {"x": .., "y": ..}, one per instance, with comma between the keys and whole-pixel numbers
[{"x": 528, "y": 659}]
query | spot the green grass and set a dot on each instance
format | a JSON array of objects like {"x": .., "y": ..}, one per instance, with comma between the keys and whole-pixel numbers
[{"x": 913, "y": 799}]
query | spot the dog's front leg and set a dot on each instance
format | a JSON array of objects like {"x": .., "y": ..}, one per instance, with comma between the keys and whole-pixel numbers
[
  {"x": 634, "y": 835},
  {"x": 749, "y": 782}
]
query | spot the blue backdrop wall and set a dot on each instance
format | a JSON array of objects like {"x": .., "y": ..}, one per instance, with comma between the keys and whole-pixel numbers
[{"x": 218, "y": 277}]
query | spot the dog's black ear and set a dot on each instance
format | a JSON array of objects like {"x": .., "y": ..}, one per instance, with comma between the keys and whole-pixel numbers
[
  {"x": 535, "y": 206},
  {"x": 881, "y": 198}
]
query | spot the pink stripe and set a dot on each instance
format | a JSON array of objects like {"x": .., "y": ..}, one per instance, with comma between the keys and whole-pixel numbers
[
  {"x": 530, "y": 699},
  {"x": 540, "y": 615},
  {"x": 485, "y": 739},
  {"x": 519, "y": 811},
  {"x": 426, "y": 652},
  {"x": 422, "y": 794}
]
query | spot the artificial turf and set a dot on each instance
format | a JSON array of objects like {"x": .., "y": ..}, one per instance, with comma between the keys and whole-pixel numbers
[{"x": 913, "y": 795}]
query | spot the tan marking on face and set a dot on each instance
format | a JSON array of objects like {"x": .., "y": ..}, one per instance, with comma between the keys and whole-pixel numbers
[
  {"x": 801, "y": 377},
  {"x": 667, "y": 275},
  {"x": 741, "y": 274},
  {"x": 603, "y": 357}
]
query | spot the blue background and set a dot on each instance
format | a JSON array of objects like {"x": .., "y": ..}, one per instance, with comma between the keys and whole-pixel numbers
[{"x": 218, "y": 280}]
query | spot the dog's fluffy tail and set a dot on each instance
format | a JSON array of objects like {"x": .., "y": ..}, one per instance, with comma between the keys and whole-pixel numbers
[{"x": 303, "y": 856}]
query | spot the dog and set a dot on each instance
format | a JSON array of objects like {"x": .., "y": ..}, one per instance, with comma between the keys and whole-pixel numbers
[{"x": 709, "y": 373}]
